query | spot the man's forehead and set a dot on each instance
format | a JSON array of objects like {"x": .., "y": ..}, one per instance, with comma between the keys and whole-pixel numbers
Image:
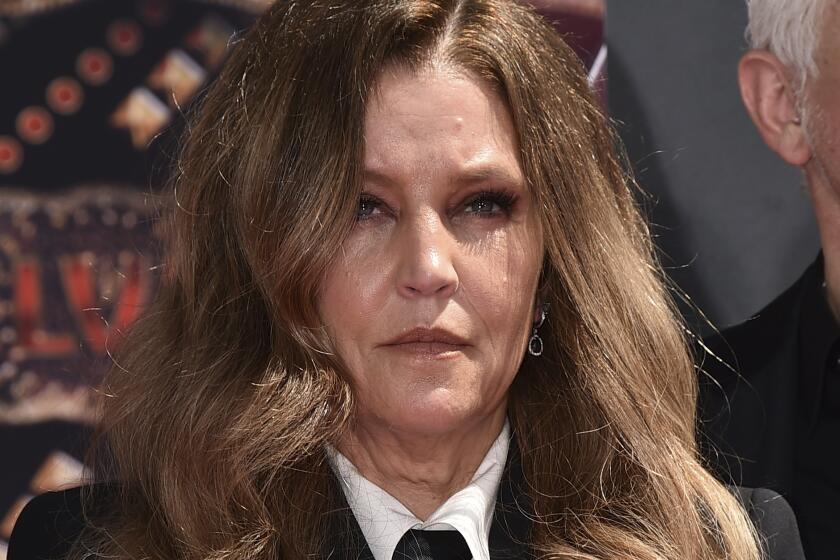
[{"x": 830, "y": 32}]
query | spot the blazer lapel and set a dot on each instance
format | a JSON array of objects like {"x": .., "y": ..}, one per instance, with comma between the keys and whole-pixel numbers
[
  {"x": 510, "y": 532},
  {"x": 345, "y": 540}
]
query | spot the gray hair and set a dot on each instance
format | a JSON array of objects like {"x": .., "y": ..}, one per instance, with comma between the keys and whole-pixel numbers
[{"x": 790, "y": 30}]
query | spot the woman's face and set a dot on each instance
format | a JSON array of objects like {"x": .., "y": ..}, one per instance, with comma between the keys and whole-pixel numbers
[{"x": 431, "y": 300}]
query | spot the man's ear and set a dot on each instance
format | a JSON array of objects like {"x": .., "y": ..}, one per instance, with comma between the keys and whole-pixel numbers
[{"x": 771, "y": 103}]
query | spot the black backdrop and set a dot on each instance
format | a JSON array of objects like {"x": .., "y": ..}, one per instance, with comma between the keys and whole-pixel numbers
[{"x": 733, "y": 220}]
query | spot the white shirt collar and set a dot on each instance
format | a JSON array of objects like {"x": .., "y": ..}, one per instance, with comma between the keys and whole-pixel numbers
[{"x": 384, "y": 520}]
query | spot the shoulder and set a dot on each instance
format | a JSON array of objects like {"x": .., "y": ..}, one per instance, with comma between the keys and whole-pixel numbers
[
  {"x": 748, "y": 346},
  {"x": 50, "y": 524},
  {"x": 774, "y": 520},
  {"x": 754, "y": 358},
  {"x": 744, "y": 373}
]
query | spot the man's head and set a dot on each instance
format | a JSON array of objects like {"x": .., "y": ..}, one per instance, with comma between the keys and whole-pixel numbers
[{"x": 790, "y": 83}]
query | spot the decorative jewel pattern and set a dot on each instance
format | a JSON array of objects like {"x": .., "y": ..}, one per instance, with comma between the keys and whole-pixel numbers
[
  {"x": 21, "y": 8},
  {"x": 95, "y": 66},
  {"x": 143, "y": 115},
  {"x": 211, "y": 38},
  {"x": 65, "y": 96},
  {"x": 34, "y": 125},
  {"x": 177, "y": 77},
  {"x": 154, "y": 12},
  {"x": 11, "y": 155},
  {"x": 124, "y": 37}
]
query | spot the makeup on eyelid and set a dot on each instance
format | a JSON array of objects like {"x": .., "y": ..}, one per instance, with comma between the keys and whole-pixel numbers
[{"x": 505, "y": 200}]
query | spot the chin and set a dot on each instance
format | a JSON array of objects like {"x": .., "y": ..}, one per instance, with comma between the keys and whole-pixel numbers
[{"x": 436, "y": 412}]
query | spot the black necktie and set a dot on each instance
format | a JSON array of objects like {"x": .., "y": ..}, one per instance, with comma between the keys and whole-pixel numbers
[{"x": 432, "y": 545}]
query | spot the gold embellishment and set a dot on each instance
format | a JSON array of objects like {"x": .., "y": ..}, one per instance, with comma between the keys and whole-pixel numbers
[
  {"x": 20, "y": 8},
  {"x": 143, "y": 115}
]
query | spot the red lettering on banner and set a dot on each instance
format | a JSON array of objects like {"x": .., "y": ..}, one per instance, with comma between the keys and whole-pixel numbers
[
  {"x": 80, "y": 290},
  {"x": 132, "y": 296},
  {"x": 32, "y": 338},
  {"x": 83, "y": 296}
]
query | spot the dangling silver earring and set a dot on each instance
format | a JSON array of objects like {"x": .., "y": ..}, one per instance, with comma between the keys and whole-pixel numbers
[{"x": 535, "y": 344}]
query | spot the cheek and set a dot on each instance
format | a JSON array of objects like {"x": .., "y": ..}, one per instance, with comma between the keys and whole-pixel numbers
[
  {"x": 833, "y": 130},
  {"x": 353, "y": 294},
  {"x": 498, "y": 287},
  {"x": 824, "y": 124},
  {"x": 494, "y": 303},
  {"x": 824, "y": 103}
]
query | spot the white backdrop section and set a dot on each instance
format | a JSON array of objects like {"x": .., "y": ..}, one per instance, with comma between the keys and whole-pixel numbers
[{"x": 734, "y": 220}]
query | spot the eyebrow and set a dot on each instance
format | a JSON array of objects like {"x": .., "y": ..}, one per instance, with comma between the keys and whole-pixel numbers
[
  {"x": 489, "y": 173},
  {"x": 479, "y": 174}
]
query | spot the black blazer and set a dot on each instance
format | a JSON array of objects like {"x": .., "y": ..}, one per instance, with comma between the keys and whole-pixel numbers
[
  {"x": 760, "y": 407},
  {"x": 748, "y": 394},
  {"x": 51, "y": 522}
]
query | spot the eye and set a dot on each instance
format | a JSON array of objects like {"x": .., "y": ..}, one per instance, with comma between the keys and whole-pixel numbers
[
  {"x": 368, "y": 207},
  {"x": 490, "y": 203}
]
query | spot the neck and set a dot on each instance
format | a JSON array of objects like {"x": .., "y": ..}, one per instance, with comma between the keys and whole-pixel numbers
[
  {"x": 420, "y": 470},
  {"x": 825, "y": 196}
]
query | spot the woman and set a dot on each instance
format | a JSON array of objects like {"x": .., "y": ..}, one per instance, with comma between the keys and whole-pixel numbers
[{"x": 410, "y": 311}]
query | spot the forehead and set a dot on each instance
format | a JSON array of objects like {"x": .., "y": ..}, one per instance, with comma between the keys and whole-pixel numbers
[
  {"x": 829, "y": 48},
  {"x": 437, "y": 113}
]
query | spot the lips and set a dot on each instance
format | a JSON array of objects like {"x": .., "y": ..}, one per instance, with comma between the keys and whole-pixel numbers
[
  {"x": 428, "y": 336},
  {"x": 428, "y": 342}
]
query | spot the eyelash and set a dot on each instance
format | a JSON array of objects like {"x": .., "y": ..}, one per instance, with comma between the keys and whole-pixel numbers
[
  {"x": 367, "y": 199},
  {"x": 504, "y": 199}
]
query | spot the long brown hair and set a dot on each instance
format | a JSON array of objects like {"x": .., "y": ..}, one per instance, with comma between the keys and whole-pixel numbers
[{"x": 220, "y": 404}]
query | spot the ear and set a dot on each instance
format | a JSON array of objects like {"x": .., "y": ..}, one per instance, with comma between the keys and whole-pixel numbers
[
  {"x": 540, "y": 301},
  {"x": 771, "y": 103}
]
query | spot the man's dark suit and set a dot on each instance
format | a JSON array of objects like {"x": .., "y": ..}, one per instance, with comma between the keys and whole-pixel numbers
[{"x": 765, "y": 410}]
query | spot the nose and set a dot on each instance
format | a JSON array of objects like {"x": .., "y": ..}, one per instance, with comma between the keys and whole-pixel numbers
[{"x": 426, "y": 265}]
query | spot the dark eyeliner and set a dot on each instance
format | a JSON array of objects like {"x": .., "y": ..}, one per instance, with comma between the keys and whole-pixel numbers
[
  {"x": 369, "y": 200},
  {"x": 503, "y": 198}
]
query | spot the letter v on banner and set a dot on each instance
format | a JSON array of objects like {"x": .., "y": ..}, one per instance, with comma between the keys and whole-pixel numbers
[{"x": 84, "y": 297}]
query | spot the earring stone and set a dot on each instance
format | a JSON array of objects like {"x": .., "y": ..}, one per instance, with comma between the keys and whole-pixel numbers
[{"x": 535, "y": 343}]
